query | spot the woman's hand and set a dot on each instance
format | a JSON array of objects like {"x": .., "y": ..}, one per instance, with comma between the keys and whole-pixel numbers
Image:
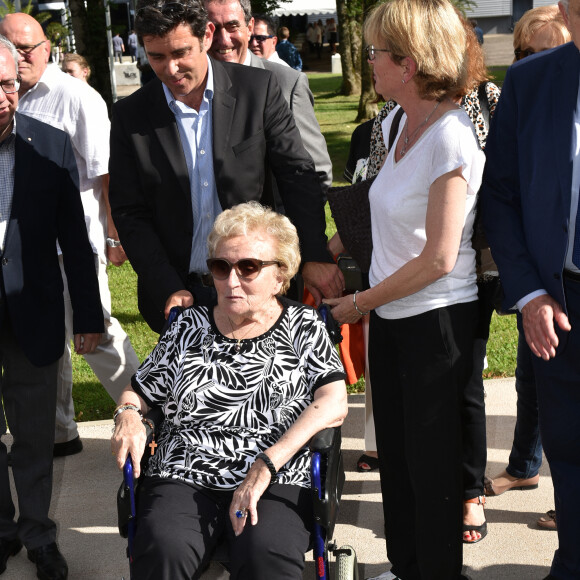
[
  {"x": 335, "y": 246},
  {"x": 343, "y": 310},
  {"x": 246, "y": 497},
  {"x": 129, "y": 438}
]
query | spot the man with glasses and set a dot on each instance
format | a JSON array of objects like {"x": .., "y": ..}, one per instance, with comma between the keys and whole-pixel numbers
[
  {"x": 39, "y": 203},
  {"x": 263, "y": 40},
  {"x": 234, "y": 27},
  {"x": 530, "y": 197},
  {"x": 200, "y": 141},
  {"x": 50, "y": 95}
]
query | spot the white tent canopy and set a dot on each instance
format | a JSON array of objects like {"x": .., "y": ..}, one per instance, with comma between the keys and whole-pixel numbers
[{"x": 306, "y": 7}]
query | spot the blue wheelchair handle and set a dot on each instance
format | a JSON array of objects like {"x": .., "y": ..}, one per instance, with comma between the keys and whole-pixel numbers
[
  {"x": 318, "y": 540},
  {"x": 323, "y": 309},
  {"x": 129, "y": 479},
  {"x": 173, "y": 314}
]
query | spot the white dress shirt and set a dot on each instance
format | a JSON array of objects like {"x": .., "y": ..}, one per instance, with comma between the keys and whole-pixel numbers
[{"x": 73, "y": 106}]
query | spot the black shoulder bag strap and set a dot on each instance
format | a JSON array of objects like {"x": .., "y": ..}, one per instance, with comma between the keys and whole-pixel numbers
[
  {"x": 395, "y": 127},
  {"x": 484, "y": 104}
]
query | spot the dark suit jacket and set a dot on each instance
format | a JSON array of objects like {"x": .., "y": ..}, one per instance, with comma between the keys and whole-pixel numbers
[
  {"x": 528, "y": 173},
  {"x": 46, "y": 206},
  {"x": 297, "y": 93},
  {"x": 150, "y": 194}
]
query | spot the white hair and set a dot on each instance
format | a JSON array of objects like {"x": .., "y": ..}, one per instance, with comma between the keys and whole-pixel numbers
[{"x": 10, "y": 47}]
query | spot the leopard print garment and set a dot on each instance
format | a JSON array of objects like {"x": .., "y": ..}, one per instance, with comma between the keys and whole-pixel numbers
[{"x": 471, "y": 105}]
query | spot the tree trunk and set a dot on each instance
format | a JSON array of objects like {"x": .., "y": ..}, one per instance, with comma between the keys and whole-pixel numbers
[
  {"x": 78, "y": 16},
  {"x": 350, "y": 70},
  {"x": 90, "y": 30},
  {"x": 99, "y": 50},
  {"x": 367, "y": 108}
]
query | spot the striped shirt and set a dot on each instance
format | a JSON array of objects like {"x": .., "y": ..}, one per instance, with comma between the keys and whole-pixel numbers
[{"x": 7, "y": 159}]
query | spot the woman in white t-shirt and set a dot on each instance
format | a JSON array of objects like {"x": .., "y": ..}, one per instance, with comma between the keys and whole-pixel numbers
[{"x": 423, "y": 285}]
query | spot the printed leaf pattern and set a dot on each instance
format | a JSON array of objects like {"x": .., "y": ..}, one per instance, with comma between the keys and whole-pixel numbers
[{"x": 222, "y": 407}]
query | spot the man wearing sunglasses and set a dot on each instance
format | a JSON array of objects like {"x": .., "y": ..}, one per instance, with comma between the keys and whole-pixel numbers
[
  {"x": 234, "y": 28},
  {"x": 50, "y": 95},
  {"x": 39, "y": 203},
  {"x": 199, "y": 140},
  {"x": 263, "y": 40},
  {"x": 530, "y": 199}
]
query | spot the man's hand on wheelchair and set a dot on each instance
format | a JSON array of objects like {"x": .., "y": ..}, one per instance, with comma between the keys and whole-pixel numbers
[
  {"x": 246, "y": 497},
  {"x": 129, "y": 438}
]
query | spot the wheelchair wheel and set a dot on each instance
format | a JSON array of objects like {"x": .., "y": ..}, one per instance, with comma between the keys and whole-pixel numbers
[{"x": 346, "y": 567}]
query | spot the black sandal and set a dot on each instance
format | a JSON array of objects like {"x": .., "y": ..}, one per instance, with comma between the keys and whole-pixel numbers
[
  {"x": 366, "y": 463},
  {"x": 482, "y": 529}
]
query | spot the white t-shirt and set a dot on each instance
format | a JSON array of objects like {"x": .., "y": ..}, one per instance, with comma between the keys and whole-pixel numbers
[
  {"x": 73, "y": 106},
  {"x": 398, "y": 200}
]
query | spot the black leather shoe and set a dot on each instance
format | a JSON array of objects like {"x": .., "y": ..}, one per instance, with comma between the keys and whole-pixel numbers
[
  {"x": 71, "y": 447},
  {"x": 50, "y": 563},
  {"x": 8, "y": 548}
]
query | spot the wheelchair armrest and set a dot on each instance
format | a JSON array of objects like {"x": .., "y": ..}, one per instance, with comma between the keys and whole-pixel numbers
[{"x": 324, "y": 440}]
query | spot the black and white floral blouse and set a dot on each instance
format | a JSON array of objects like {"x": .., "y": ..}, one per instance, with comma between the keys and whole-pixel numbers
[{"x": 223, "y": 405}]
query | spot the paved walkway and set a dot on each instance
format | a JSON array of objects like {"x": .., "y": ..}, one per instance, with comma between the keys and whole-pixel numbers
[{"x": 86, "y": 484}]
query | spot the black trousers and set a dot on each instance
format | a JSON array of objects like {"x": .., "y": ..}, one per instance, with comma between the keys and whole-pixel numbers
[
  {"x": 28, "y": 400},
  {"x": 178, "y": 527},
  {"x": 473, "y": 408},
  {"x": 419, "y": 367},
  {"x": 558, "y": 389}
]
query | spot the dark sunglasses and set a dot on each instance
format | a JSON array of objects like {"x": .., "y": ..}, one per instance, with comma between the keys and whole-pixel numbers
[
  {"x": 261, "y": 37},
  {"x": 248, "y": 268},
  {"x": 520, "y": 54}
]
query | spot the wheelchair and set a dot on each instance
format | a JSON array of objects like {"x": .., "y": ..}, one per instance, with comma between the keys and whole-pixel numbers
[{"x": 327, "y": 481}]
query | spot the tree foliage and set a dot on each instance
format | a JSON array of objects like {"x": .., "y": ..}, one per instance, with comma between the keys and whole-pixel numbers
[
  {"x": 266, "y": 6},
  {"x": 464, "y": 5}
]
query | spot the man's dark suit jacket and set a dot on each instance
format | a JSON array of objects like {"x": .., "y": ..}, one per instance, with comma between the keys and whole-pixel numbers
[
  {"x": 46, "y": 206},
  {"x": 150, "y": 196},
  {"x": 528, "y": 173}
]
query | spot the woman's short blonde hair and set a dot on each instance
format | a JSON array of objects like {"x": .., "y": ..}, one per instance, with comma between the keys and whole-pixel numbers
[
  {"x": 246, "y": 219},
  {"x": 429, "y": 32},
  {"x": 537, "y": 18}
]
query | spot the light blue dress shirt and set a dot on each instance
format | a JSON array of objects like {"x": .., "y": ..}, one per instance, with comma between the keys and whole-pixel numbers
[{"x": 195, "y": 130}]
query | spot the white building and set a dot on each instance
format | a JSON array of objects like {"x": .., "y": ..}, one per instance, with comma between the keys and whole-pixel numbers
[{"x": 496, "y": 16}]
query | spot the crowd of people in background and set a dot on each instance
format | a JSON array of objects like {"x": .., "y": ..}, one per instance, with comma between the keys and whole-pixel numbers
[{"x": 473, "y": 210}]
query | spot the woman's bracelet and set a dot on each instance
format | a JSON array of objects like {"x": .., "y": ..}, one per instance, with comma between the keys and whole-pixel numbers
[
  {"x": 269, "y": 465},
  {"x": 126, "y": 407},
  {"x": 355, "y": 305}
]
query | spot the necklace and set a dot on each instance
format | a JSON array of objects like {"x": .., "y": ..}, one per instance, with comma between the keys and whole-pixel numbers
[
  {"x": 238, "y": 345},
  {"x": 407, "y": 139}
]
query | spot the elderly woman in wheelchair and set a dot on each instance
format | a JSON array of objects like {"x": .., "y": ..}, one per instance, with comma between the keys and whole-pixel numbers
[{"x": 243, "y": 387}]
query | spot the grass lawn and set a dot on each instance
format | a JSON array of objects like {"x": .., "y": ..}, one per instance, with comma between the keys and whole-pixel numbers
[{"x": 336, "y": 115}]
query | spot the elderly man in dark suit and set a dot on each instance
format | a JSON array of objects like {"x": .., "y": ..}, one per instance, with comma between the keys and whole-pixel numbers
[
  {"x": 202, "y": 140},
  {"x": 40, "y": 205},
  {"x": 530, "y": 198}
]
